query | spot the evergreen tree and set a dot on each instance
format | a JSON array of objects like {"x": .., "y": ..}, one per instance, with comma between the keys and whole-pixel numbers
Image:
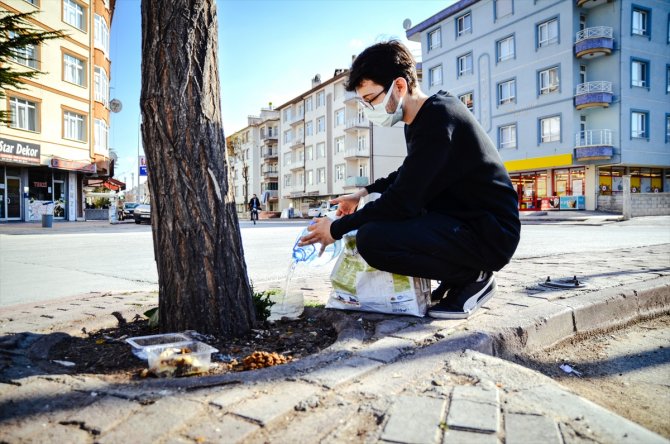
[{"x": 16, "y": 34}]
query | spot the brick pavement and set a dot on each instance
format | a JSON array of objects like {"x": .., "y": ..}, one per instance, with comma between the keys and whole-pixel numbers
[{"x": 417, "y": 380}]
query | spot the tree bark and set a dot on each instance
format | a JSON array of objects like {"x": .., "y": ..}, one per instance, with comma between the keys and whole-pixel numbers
[{"x": 202, "y": 277}]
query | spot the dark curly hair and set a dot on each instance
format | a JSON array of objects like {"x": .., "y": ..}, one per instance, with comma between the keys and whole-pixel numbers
[{"x": 382, "y": 63}]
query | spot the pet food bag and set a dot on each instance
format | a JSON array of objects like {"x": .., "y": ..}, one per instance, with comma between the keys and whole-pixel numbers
[{"x": 358, "y": 286}]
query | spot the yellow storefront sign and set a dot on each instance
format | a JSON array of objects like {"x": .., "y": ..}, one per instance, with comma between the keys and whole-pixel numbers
[{"x": 539, "y": 163}]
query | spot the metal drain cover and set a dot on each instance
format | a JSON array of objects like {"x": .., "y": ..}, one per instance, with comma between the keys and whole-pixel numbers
[{"x": 563, "y": 283}]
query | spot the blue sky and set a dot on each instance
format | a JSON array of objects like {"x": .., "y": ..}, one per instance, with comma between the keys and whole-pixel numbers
[{"x": 268, "y": 52}]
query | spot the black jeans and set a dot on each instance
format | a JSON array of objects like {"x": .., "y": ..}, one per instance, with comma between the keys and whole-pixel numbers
[
  {"x": 432, "y": 246},
  {"x": 254, "y": 214}
]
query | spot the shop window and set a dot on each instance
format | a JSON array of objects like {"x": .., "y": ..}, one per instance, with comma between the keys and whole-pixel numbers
[
  {"x": 569, "y": 182},
  {"x": 610, "y": 180},
  {"x": 39, "y": 184}
]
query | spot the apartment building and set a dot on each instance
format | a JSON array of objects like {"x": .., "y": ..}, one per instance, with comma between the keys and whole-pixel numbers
[
  {"x": 253, "y": 154},
  {"x": 58, "y": 135},
  {"x": 574, "y": 93},
  {"x": 327, "y": 146}
]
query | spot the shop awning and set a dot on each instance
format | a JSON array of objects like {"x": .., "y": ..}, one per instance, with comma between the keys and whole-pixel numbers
[{"x": 110, "y": 183}]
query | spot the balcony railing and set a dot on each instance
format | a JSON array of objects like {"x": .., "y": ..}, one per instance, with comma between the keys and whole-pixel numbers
[
  {"x": 269, "y": 136},
  {"x": 354, "y": 152},
  {"x": 594, "y": 42},
  {"x": 296, "y": 142},
  {"x": 295, "y": 119},
  {"x": 356, "y": 181},
  {"x": 269, "y": 154},
  {"x": 593, "y": 94},
  {"x": 594, "y": 145},
  {"x": 357, "y": 123}
]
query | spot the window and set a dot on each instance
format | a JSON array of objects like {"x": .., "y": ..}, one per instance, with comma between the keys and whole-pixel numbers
[
  {"x": 667, "y": 79},
  {"x": 362, "y": 143},
  {"x": 101, "y": 86},
  {"x": 73, "y": 126},
  {"x": 339, "y": 145},
  {"x": 550, "y": 129},
  {"x": 101, "y": 136},
  {"x": 339, "y": 117},
  {"x": 101, "y": 34},
  {"x": 287, "y": 115},
  {"x": 287, "y": 180},
  {"x": 468, "y": 101},
  {"x": 639, "y": 73},
  {"x": 503, "y": 8},
  {"x": 309, "y": 153},
  {"x": 464, "y": 24},
  {"x": 309, "y": 128},
  {"x": 505, "y": 48},
  {"x": 23, "y": 114},
  {"x": 435, "y": 75},
  {"x": 308, "y": 104},
  {"x": 548, "y": 80},
  {"x": 24, "y": 55},
  {"x": 300, "y": 178},
  {"x": 547, "y": 33},
  {"x": 638, "y": 125},
  {"x": 320, "y": 99},
  {"x": 73, "y": 14},
  {"x": 507, "y": 136},
  {"x": 465, "y": 64},
  {"x": 288, "y": 136},
  {"x": 321, "y": 175},
  {"x": 339, "y": 172},
  {"x": 640, "y": 23},
  {"x": 506, "y": 92},
  {"x": 73, "y": 69},
  {"x": 667, "y": 128},
  {"x": 310, "y": 177},
  {"x": 286, "y": 161},
  {"x": 320, "y": 150},
  {"x": 434, "y": 39},
  {"x": 320, "y": 125}
]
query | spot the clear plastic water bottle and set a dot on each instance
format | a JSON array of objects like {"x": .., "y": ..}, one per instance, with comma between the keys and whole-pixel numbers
[{"x": 311, "y": 254}]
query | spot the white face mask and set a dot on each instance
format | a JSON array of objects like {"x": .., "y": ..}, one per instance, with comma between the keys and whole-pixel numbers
[{"x": 381, "y": 117}]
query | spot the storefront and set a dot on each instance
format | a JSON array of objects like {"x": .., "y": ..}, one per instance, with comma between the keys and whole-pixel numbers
[
  {"x": 561, "y": 188},
  {"x": 642, "y": 180},
  {"x": 14, "y": 156}
]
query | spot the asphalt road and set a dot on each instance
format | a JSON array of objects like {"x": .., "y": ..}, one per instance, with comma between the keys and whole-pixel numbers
[{"x": 51, "y": 265}]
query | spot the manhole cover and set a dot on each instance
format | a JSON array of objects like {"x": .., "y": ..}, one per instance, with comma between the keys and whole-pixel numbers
[{"x": 563, "y": 283}]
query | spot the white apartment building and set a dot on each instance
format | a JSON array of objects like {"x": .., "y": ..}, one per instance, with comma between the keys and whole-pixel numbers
[
  {"x": 328, "y": 148},
  {"x": 574, "y": 93},
  {"x": 253, "y": 153},
  {"x": 57, "y": 141}
]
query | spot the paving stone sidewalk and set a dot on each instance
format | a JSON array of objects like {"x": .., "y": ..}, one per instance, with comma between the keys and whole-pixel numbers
[{"x": 418, "y": 381}]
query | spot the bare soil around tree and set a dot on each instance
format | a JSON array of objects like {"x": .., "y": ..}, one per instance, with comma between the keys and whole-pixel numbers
[{"x": 627, "y": 371}]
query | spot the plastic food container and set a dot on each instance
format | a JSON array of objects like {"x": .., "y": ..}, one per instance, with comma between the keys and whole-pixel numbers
[
  {"x": 184, "y": 359},
  {"x": 140, "y": 344}
]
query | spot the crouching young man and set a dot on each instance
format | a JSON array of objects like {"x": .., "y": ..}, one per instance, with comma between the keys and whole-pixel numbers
[{"x": 449, "y": 213}]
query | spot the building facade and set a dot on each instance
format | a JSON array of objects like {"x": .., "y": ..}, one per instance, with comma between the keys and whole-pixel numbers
[
  {"x": 327, "y": 146},
  {"x": 58, "y": 135},
  {"x": 575, "y": 94},
  {"x": 253, "y": 154}
]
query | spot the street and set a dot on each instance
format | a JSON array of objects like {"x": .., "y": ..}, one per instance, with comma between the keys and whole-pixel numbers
[{"x": 40, "y": 267}]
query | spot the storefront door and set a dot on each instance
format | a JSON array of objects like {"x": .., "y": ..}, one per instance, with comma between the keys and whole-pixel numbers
[
  {"x": 13, "y": 198},
  {"x": 59, "y": 199}
]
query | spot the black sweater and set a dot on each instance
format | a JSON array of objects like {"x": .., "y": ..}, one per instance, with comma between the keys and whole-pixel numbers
[{"x": 453, "y": 168}]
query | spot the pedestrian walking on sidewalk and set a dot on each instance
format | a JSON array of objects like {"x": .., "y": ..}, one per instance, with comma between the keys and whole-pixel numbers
[
  {"x": 449, "y": 213},
  {"x": 254, "y": 207}
]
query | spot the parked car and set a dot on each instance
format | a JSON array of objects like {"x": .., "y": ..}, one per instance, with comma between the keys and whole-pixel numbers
[
  {"x": 127, "y": 211},
  {"x": 320, "y": 209},
  {"x": 142, "y": 213}
]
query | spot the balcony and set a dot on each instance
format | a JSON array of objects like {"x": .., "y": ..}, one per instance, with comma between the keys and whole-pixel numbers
[
  {"x": 594, "y": 42},
  {"x": 271, "y": 195},
  {"x": 350, "y": 96},
  {"x": 297, "y": 166},
  {"x": 357, "y": 153},
  {"x": 588, "y": 4},
  {"x": 269, "y": 137},
  {"x": 269, "y": 154},
  {"x": 594, "y": 145},
  {"x": 356, "y": 124},
  {"x": 297, "y": 142},
  {"x": 294, "y": 120},
  {"x": 270, "y": 174},
  {"x": 593, "y": 94},
  {"x": 356, "y": 181}
]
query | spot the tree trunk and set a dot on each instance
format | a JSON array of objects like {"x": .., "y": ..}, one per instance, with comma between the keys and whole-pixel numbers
[{"x": 202, "y": 276}]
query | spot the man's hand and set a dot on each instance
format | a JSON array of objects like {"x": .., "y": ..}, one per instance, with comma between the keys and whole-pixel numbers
[
  {"x": 319, "y": 232},
  {"x": 348, "y": 203}
]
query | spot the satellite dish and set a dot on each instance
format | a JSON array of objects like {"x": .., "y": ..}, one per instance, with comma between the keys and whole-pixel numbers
[
  {"x": 406, "y": 24},
  {"x": 115, "y": 105}
]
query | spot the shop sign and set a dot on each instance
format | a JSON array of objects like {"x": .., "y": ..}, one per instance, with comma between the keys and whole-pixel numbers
[
  {"x": 39, "y": 184},
  {"x": 573, "y": 203},
  {"x": 73, "y": 165},
  {"x": 21, "y": 152}
]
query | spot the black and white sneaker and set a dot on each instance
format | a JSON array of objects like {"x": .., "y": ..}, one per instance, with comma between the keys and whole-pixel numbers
[
  {"x": 461, "y": 302},
  {"x": 437, "y": 294}
]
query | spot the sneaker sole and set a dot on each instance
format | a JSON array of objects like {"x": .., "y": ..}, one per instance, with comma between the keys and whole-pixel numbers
[{"x": 465, "y": 314}]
